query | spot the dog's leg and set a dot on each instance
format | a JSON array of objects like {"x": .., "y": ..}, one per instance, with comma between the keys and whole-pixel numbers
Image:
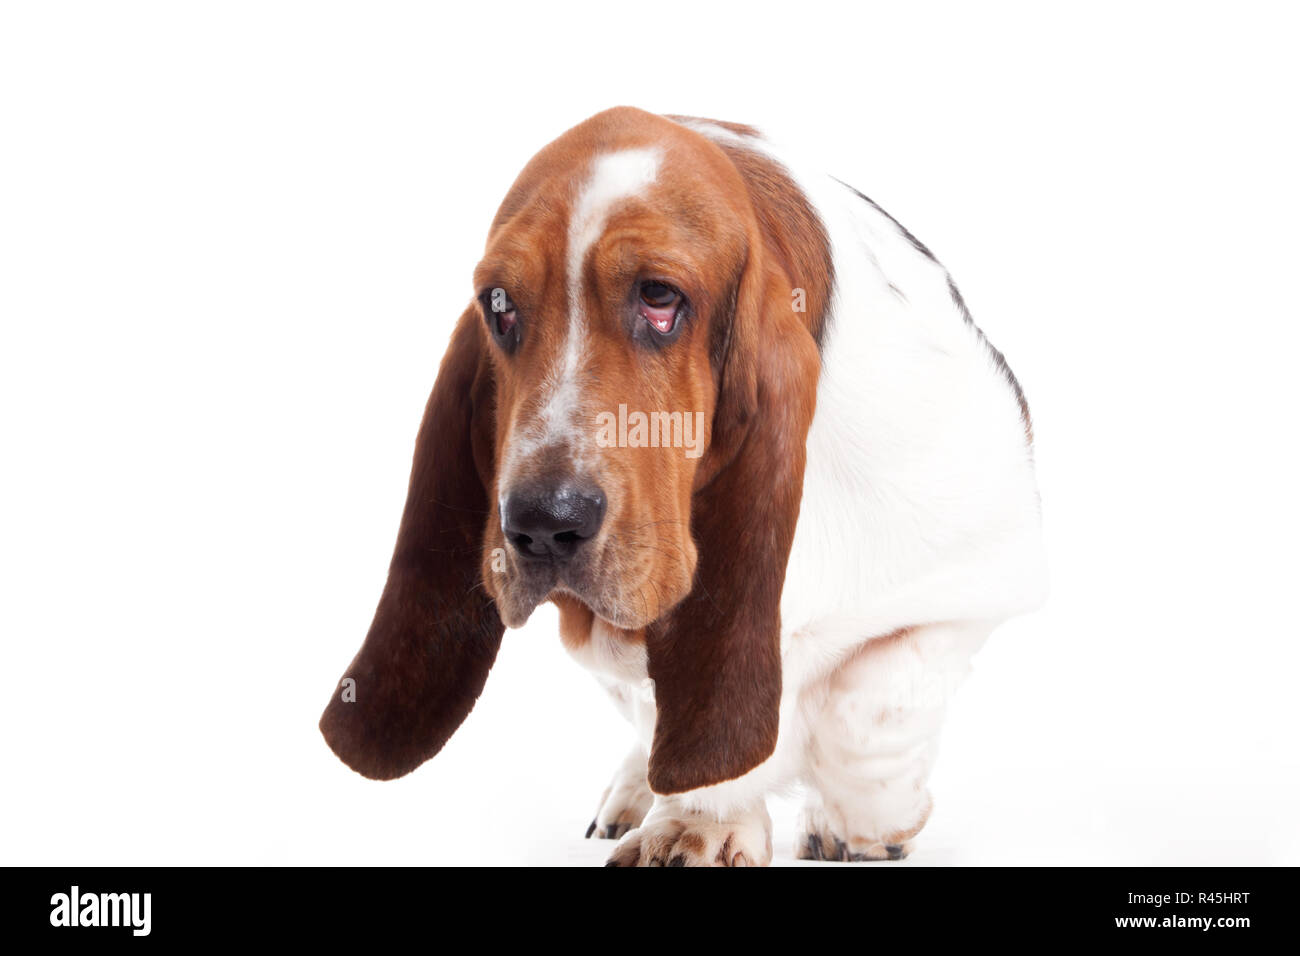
[
  {"x": 617, "y": 660},
  {"x": 874, "y": 733},
  {"x": 625, "y": 801},
  {"x": 688, "y": 829}
]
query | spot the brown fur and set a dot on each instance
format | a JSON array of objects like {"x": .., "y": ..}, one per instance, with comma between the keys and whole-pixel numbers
[{"x": 435, "y": 633}]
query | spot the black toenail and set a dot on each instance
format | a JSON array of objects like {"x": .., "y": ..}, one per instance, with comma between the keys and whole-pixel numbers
[
  {"x": 813, "y": 846},
  {"x": 894, "y": 850},
  {"x": 590, "y": 830},
  {"x": 678, "y": 860},
  {"x": 611, "y": 832}
]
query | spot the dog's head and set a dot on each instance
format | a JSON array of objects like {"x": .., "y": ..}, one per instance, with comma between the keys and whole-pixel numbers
[{"x": 620, "y": 418}]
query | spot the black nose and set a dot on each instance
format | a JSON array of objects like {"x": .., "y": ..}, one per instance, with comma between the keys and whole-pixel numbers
[{"x": 552, "y": 521}]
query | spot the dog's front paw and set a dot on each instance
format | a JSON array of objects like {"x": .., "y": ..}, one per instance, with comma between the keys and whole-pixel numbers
[
  {"x": 625, "y": 801},
  {"x": 819, "y": 841},
  {"x": 683, "y": 839},
  {"x": 818, "y": 846}
]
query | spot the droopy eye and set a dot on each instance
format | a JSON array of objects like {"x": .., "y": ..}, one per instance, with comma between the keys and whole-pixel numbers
[
  {"x": 659, "y": 305},
  {"x": 502, "y": 315}
]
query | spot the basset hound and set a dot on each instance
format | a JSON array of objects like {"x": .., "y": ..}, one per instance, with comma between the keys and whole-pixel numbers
[{"x": 737, "y": 424}]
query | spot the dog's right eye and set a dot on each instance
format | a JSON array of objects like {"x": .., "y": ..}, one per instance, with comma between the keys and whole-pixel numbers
[{"x": 502, "y": 317}]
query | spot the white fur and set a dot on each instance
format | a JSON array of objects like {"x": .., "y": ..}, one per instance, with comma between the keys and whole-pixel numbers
[
  {"x": 920, "y": 512},
  {"x": 627, "y": 799}
]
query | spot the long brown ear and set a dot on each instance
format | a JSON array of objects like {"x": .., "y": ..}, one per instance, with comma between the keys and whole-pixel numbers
[
  {"x": 436, "y": 631},
  {"x": 715, "y": 659}
]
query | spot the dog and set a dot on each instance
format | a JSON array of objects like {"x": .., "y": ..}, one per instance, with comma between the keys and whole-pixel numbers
[{"x": 797, "y": 600}]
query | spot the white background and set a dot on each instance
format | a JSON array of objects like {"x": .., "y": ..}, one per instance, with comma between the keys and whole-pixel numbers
[{"x": 233, "y": 239}]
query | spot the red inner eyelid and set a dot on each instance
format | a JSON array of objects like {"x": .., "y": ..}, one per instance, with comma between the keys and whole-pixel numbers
[
  {"x": 661, "y": 318},
  {"x": 506, "y": 320}
]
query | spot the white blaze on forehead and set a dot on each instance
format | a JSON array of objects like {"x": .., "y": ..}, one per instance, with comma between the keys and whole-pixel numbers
[{"x": 613, "y": 178}]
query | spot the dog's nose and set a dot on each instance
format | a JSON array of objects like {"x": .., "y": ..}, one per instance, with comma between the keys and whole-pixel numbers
[{"x": 552, "y": 521}]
